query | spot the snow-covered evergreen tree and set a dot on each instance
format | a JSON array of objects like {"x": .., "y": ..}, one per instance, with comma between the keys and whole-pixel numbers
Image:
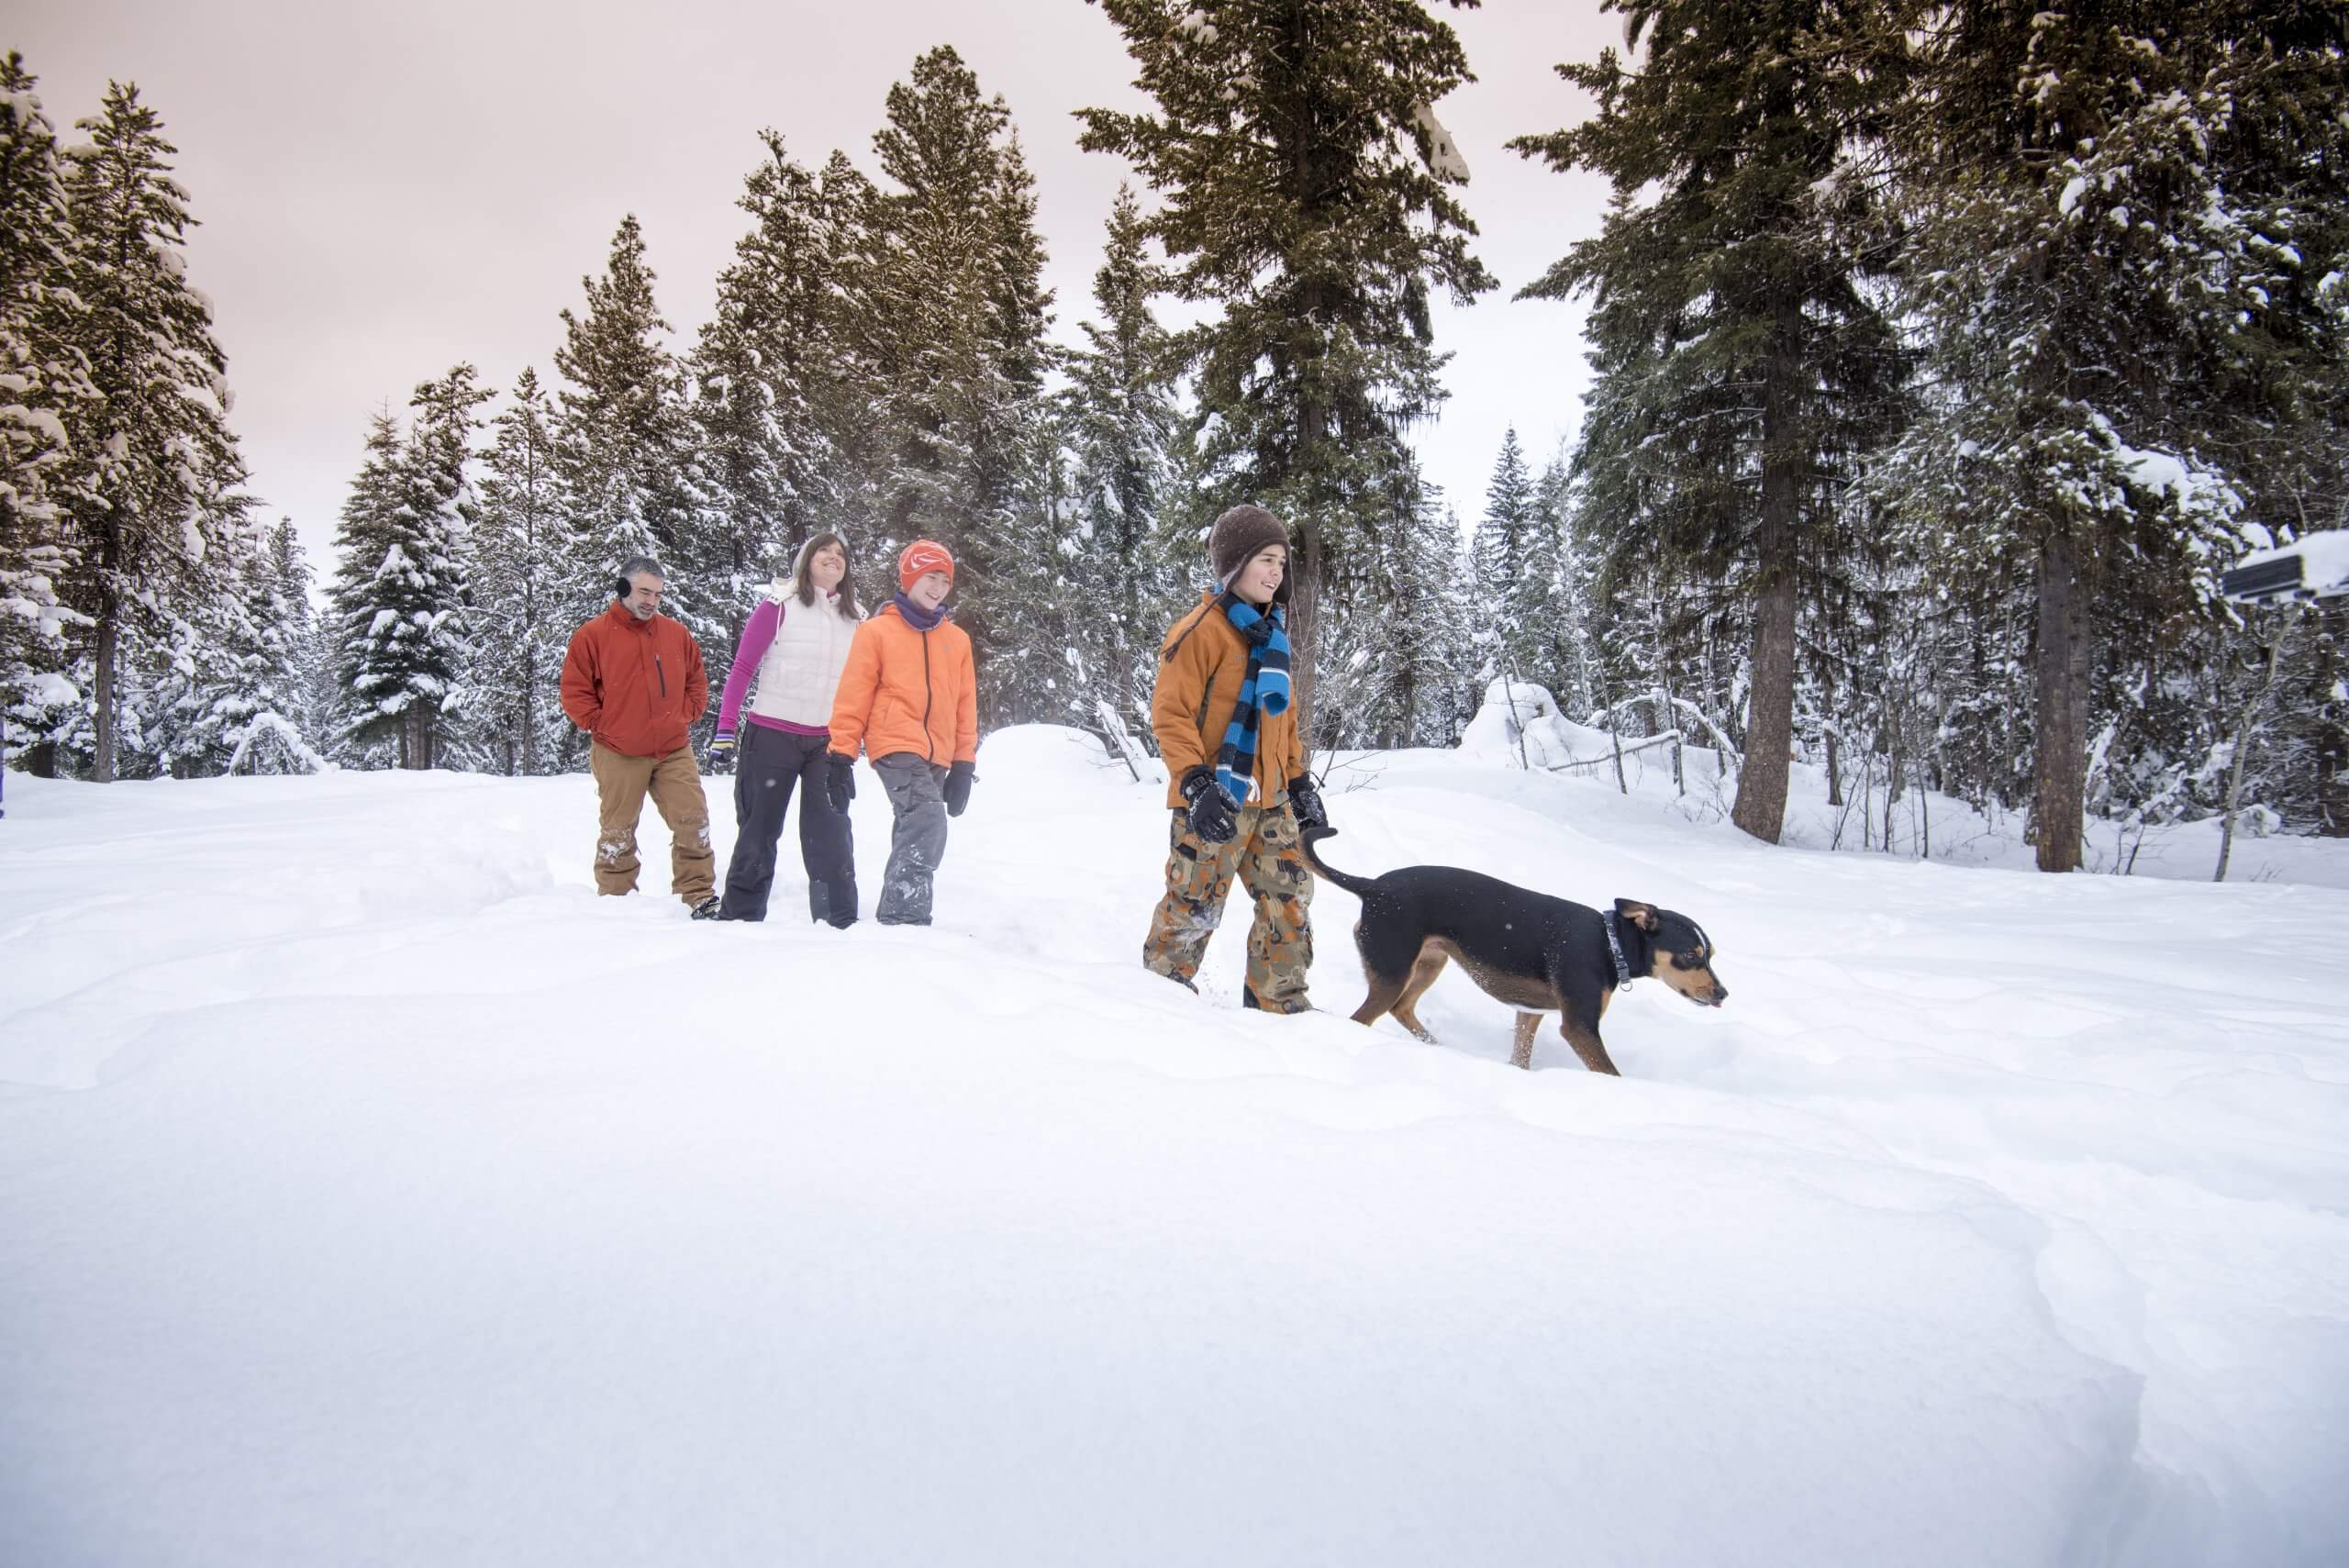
[
  {"x": 227, "y": 691},
  {"x": 2120, "y": 224},
  {"x": 41, "y": 379},
  {"x": 951, "y": 313},
  {"x": 1405, "y": 653},
  {"x": 1120, "y": 412},
  {"x": 520, "y": 590},
  {"x": 1752, "y": 364},
  {"x": 138, "y": 451},
  {"x": 1554, "y": 609},
  {"x": 623, "y": 440},
  {"x": 397, "y": 602},
  {"x": 1307, "y": 191},
  {"x": 770, "y": 379}
]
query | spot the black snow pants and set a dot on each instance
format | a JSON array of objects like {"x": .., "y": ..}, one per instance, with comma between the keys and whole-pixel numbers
[{"x": 770, "y": 763}]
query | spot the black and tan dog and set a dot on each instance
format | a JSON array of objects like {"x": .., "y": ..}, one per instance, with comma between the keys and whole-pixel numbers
[{"x": 1537, "y": 953}]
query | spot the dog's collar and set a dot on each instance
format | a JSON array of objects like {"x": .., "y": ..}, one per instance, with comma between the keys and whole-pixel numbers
[{"x": 1615, "y": 950}]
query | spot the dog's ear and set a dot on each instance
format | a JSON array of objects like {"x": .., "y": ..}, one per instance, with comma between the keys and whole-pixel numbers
[{"x": 1641, "y": 915}]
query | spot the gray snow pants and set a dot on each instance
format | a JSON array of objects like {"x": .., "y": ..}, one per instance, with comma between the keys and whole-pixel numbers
[{"x": 918, "y": 843}]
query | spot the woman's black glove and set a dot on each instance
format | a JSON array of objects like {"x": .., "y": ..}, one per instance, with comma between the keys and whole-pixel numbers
[
  {"x": 1211, "y": 807},
  {"x": 958, "y": 788},
  {"x": 1306, "y": 802},
  {"x": 840, "y": 784}
]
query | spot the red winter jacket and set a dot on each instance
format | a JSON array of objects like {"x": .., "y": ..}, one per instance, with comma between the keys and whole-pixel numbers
[{"x": 634, "y": 684}]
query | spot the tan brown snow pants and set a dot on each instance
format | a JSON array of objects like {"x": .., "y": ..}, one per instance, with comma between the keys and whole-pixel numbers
[{"x": 622, "y": 784}]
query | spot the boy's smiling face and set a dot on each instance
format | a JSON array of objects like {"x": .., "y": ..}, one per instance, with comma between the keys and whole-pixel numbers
[
  {"x": 929, "y": 590},
  {"x": 1259, "y": 579}
]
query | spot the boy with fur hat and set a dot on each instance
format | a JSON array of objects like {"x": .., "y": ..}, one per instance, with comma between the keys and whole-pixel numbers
[
  {"x": 1238, "y": 787},
  {"x": 909, "y": 696}
]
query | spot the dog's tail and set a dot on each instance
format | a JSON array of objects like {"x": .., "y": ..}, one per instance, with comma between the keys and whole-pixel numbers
[{"x": 1357, "y": 885}]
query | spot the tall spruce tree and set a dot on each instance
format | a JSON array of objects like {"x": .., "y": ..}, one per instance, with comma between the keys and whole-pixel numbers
[
  {"x": 1405, "y": 652},
  {"x": 1502, "y": 551},
  {"x": 42, "y": 381},
  {"x": 2107, "y": 209},
  {"x": 1120, "y": 408},
  {"x": 1307, "y": 191},
  {"x": 397, "y": 602},
  {"x": 1553, "y": 608},
  {"x": 139, "y": 448},
  {"x": 521, "y": 576},
  {"x": 226, "y": 690},
  {"x": 771, "y": 385},
  {"x": 1753, "y": 365},
  {"x": 623, "y": 440},
  {"x": 951, "y": 319}
]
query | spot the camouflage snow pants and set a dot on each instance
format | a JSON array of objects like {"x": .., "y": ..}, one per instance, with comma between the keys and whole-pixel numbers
[{"x": 1266, "y": 857}]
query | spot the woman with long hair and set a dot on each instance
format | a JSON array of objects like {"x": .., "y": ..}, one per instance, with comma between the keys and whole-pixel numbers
[{"x": 789, "y": 664}]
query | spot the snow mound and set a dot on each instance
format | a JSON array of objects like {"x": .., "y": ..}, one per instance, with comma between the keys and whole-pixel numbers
[{"x": 1520, "y": 724}]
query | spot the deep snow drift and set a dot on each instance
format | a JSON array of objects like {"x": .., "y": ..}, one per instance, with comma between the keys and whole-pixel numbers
[{"x": 369, "y": 1192}]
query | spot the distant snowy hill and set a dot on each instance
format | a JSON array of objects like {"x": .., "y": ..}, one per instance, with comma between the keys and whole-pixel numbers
[{"x": 372, "y": 1193}]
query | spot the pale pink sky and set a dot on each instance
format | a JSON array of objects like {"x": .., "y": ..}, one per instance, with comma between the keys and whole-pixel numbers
[{"x": 387, "y": 190}]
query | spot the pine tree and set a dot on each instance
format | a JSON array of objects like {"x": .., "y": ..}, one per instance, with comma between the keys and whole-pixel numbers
[
  {"x": 1411, "y": 637},
  {"x": 519, "y": 589},
  {"x": 623, "y": 442},
  {"x": 1733, "y": 308},
  {"x": 1307, "y": 188},
  {"x": 41, "y": 383},
  {"x": 1554, "y": 609},
  {"x": 1501, "y": 551},
  {"x": 397, "y": 600},
  {"x": 228, "y": 692},
  {"x": 276, "y": 733},
  {"x": 2106, "y": 210},
  {"x": 770, "y": 376},
  {"x": 1120, "y": 412},
  {"x": 952, "y": 311},
  {"x": 139, "y": 448}
]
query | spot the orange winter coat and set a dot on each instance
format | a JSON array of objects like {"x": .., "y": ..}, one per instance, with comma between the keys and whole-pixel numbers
[
  {"x": 908, "y": 690},
  {"x": 634, "y": 685},
  {"x": 1191, "y": 707}
]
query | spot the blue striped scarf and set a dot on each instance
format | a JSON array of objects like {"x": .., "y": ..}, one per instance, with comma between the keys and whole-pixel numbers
[{"x": 1264, "y": 692}]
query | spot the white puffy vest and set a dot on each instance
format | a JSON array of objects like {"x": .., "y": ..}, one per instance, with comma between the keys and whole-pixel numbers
[{"x": 801, "y": 669}]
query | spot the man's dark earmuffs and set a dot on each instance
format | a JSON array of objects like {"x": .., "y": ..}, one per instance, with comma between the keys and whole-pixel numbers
[{"x": 621, "y": 588}]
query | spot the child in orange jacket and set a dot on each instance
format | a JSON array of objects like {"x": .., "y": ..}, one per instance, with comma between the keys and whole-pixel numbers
[{"x": 909, "y": 696}]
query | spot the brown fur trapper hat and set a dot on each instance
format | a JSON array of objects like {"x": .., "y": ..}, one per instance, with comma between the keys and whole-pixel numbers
[{"x": 1239, "y": 534}]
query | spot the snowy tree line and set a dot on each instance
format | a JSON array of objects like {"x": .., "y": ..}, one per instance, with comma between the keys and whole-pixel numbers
[{"x": 1942, "y": 354}]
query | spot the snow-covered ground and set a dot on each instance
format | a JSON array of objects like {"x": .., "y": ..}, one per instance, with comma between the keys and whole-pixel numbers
[{"x": 372, "y": 1193}]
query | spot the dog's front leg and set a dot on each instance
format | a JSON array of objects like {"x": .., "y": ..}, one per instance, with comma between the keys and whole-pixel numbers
[
  {"x": 1528, "y": 1025},
  {"x": 1584, "y": 1037}
]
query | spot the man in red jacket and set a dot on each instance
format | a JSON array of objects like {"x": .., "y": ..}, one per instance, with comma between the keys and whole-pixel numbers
[{"x": 633, "y": 680}]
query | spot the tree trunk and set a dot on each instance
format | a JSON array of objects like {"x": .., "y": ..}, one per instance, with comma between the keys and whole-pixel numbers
[
  {"x": 2331, "y": 720},
  {"x": 2059, "y": 784},
  {"x": 1835, "y": 774},
  {"x": 2244, "y": 728},
  {"x": 102, "y": 696},
  {"x": 1306, "y": 561},
  {"x": 1761, "y": 807}
]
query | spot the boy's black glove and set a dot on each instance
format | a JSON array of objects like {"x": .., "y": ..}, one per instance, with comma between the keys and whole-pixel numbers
[
  {"x": 958, "y": 788},
  {"x": 841, "y": 784},
  {"x": 1211, "y": 807},
  {"x": 1306, "y": 802}
]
